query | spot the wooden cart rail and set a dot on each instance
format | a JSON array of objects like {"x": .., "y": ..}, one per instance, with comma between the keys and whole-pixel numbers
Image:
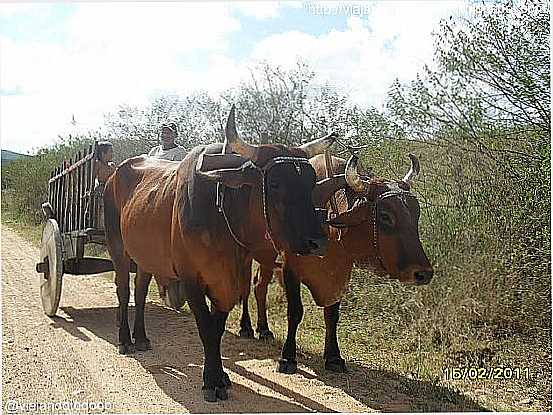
[{"x": 71, "y": 193}]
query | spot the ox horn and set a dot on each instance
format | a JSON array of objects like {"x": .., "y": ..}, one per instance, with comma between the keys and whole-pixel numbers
[
  {"x": 414, "y": 170},
  {"x": 233, "y": 142},
  {"x": 320, "y": 145},
  {"x": 352, "y": 177}
]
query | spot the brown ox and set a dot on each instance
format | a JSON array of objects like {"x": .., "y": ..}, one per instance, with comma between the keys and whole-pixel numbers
[
  {"x": 377, "y": 227},
  {"x": 163, "y": 216}
]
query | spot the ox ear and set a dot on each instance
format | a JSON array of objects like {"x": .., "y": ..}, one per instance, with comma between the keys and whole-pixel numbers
[
  {"x": 352, "y": 217},
  {"x": 246, "y": 174},
  {"x": 324, "y": 189}
]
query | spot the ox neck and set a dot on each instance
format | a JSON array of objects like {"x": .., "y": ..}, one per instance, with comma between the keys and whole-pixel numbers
[
  {"x": 259, "y": 207},
  {"x": 253, "y": 223}
]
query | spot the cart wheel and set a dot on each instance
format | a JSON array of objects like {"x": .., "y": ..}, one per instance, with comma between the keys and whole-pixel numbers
[
  {"x": 175, "y": 295},
  {"x": 51, "y": 277}
]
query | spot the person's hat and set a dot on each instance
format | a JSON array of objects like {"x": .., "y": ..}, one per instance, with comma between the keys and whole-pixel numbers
[{"x": 170, "y": 126}]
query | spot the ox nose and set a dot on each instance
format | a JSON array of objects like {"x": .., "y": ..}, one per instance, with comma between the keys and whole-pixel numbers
[
  {"x": 423, "y": 277},
  {"x": 317, "y": 246}
]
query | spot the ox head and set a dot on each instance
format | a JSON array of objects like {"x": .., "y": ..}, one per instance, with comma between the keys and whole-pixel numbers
[
  {"x": 387, "y": 214},
  {"x": 284, "y": 179}
]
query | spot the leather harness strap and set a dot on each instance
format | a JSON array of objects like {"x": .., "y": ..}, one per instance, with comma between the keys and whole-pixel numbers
[
  {"x": 393, "y": 191},
  {"x": 329, "y": 170}
]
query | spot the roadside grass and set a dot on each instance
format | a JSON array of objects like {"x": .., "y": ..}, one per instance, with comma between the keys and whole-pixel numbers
[
  {"x": 23, "y": 228},
  {"x": 373, "y": 334},
  {"x": 368, "y": 338}
]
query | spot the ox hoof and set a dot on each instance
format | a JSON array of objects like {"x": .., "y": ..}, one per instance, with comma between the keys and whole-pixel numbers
[
  {"x": 142, "y": 345},
  {"x": 211, "y": 395},
  {"x": 266, "y": 335},
  {"x": 221, "y": 393},
  {"x": 336, "y": 365},
  {"x": 246, "y": 333},
  {"x": 226, "y": 380},
  {"x": 126, "y": 348},
  {"x": 287, "y": 366}
]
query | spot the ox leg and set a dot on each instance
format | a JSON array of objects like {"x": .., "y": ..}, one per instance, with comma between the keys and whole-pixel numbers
[
  {"x": 246, "y": 329},
  {"x": 123, "y": 293},
  {"x": 288, "y": 363},
  {"x": 333, "y": 360},
  {"x": 122, "y": 267},
  {"x": 141, "y": 284},
  {"x": 261, "y": 285},
  {"x": 211, "y": 326}
]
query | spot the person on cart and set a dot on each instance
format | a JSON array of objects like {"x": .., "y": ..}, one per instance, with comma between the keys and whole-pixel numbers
[
  {"x": 168, "y": 149},
  {"x": 103, "y": 169},
  {"x": 104, "y": 161}
]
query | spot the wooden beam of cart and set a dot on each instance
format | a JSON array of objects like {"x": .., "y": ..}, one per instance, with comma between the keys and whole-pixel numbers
[{"x": 72, "y": 167}]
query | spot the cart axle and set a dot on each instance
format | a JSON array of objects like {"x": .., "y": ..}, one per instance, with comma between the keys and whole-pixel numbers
[
  {"x": 82, "y": 266},
  {"x": 42, "y": 267}
]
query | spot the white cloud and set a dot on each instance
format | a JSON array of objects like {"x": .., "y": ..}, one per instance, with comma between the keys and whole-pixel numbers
[
  {"x": 11, "y": 9},
  {"x": 114, "y": 53},
  {"x": 156, "y": 28},
  {"x": 259, "y": 9},
  {"x": 394, "y": 41}
]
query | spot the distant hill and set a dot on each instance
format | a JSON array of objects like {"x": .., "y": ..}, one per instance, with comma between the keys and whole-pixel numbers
[{"x": 8, "y": 156}]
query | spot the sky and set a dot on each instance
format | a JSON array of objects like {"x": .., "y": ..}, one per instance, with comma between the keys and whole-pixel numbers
[{"x": 81, "y": 60}]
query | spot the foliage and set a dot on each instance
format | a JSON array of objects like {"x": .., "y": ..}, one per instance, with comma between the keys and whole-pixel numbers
[
  {"x": 25, "y": 181},
  {"x": 483, "y": 118},
  {"x": 134, "y": 130}
]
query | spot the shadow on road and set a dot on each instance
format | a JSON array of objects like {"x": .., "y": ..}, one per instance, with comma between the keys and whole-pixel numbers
[{"x": 176, "y": 344}]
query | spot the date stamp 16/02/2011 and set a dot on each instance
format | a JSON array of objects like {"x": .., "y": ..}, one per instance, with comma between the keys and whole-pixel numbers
[{"x": 486, "y": 373}]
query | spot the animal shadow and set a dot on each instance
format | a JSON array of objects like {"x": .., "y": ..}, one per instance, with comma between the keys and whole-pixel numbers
[{"x": 177, "y": 358}]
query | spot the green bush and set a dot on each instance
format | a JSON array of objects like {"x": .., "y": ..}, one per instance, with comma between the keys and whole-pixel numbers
[{"x": 25, "y": 181}]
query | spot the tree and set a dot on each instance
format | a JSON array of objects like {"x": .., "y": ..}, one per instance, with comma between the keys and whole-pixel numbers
[
  {"x": 134, "y": 130},
  {"x": 491, "y": 88},
  {"x": 487, "y": 106},
  {"x": 289, "y": 105}
]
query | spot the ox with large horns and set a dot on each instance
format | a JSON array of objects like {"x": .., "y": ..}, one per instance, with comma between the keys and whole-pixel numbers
[
  {"x": 376, "y": 227},
  {"x": 163, "y": 216}
]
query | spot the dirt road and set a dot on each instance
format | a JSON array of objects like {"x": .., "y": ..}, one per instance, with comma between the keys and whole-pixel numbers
[{"x": 73, "y": 357}]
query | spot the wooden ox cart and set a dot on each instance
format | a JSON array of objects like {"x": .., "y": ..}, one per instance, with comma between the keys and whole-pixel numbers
[{"x": 72, "y": 214}]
